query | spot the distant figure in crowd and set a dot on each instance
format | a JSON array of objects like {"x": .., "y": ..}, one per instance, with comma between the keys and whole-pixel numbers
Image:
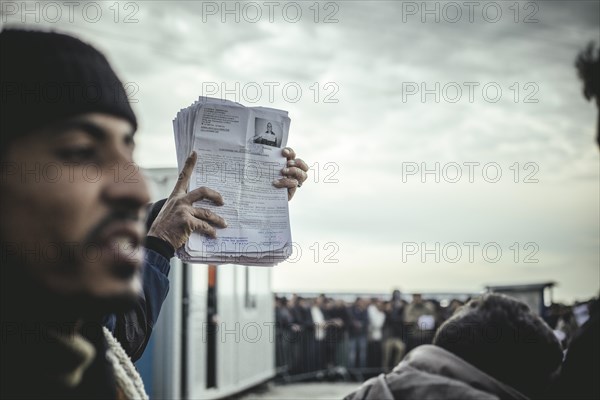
[
  {"x": 320, "y": 327},
  {"x": 340, "y": 321},
  {"x": 358, "y": 332},
  {"x": 376, "y": 315},
  {"x": 419, "y": 317},
  {"x": 492, "y": 348},
  {"x": 394, "y": 345},
  {"x": 306, "y": 343},
  {"x": 284, "y": 331}
]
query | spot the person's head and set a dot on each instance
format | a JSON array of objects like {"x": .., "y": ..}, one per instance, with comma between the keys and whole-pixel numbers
[
  {"x": 269, "y": 127},
  {"x": 432, "y": 305},
  {"x": 71, "y": 199},
  {"x": 502, "y": 337},
  {"x": 319, "y": 301},
  {"x": 329, "y": 304},
  {"x": 361, "y": 303},
  {"x": 302, "y": 302},
  {"x": 417, "y": 298}
]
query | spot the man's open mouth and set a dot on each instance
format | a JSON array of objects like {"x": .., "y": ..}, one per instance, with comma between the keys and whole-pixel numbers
[{"x": 121, "y": 247}]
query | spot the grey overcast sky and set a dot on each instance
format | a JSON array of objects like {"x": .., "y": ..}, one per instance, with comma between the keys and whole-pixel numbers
[{"x": 379, "y": 91}]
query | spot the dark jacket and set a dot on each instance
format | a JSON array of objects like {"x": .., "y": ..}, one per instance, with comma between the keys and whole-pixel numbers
[
  {"x": 335, "y": 333},
  {"x": 303, "y": 317},
  {"x": 394, "y": 321},
  {"x": 283, "y": 320},
  {"x": 430, "y": 372},
  {"x": 581, "y": 368},
  {"x": 359, "y": 322}
]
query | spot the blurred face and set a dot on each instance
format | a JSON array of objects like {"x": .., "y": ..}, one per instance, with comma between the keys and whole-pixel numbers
[
  {"x": 269, "y": 126},
  {"x": 361, "y": 303},
  {"x": 72, "y": 206}
]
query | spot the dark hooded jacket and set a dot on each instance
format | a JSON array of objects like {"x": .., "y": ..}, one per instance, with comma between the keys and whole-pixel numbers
[{"x": 431, "y": 372}]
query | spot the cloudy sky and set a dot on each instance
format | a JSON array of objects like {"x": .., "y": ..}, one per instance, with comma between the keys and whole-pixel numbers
[{"x": 378, "y": 92}]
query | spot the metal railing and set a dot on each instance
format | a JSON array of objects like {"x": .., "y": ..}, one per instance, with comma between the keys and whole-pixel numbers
[{"x": 339, "y": 356}]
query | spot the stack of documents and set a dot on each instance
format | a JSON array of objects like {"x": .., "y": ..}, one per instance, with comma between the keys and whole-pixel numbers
[{"x": 239, "y": 156}]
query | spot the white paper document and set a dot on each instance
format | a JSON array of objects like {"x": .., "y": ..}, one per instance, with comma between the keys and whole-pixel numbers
[{"x": 239, "y": 156}]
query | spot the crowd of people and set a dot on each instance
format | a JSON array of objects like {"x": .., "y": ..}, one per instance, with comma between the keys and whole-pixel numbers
[
  {"x": 328, "y": 338},
  {"x": 365, "y": 334}
]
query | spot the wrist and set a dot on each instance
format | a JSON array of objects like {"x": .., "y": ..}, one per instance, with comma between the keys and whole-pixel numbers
[{"x": 159, "y": 245}]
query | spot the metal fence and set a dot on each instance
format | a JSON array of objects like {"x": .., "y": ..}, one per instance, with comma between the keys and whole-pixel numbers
[{"x": 339, "y": 356}]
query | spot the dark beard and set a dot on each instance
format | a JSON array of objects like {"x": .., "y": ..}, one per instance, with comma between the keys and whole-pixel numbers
[
  {"x": 98, "y": 307},
  {"x": 23, "y": 299}
]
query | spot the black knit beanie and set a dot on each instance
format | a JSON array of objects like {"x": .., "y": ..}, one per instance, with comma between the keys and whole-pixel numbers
[{"x": 47, "y": 76}]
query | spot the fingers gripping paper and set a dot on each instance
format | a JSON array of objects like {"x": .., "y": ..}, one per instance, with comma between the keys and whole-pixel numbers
[{"x": 239, "y": 156}]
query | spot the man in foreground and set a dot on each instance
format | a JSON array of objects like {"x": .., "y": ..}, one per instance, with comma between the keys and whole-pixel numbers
[{"x": 72, "y": 211}]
